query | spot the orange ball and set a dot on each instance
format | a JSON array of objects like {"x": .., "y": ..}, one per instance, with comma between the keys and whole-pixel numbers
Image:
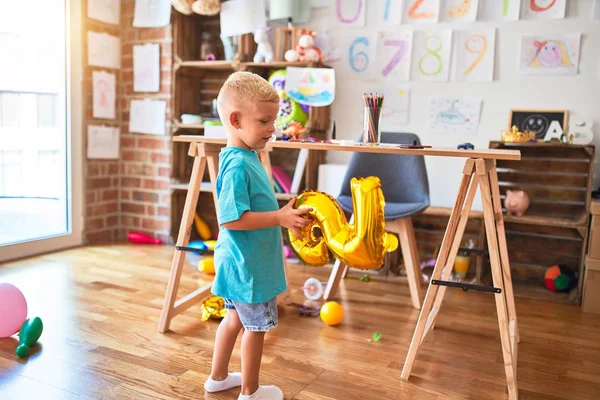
[{"x": 332, "y": 313}]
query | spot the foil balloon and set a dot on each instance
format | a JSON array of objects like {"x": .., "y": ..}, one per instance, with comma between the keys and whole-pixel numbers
[
  {"x": 213, "y": 307},
  {"x": 362, "y": 244}
]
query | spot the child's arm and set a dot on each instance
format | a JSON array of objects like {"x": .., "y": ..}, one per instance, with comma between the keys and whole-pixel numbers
[{"x": 287, "y": 216}]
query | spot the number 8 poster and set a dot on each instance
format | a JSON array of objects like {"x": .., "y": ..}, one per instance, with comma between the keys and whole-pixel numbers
[{"x": 431, "y": 55}]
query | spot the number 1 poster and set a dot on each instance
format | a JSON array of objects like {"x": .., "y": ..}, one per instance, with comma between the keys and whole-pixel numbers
[
  {"x": 475, "y": 55},
  {"x": 431, "y": 55},
  {"x": 393, "y": 54}
]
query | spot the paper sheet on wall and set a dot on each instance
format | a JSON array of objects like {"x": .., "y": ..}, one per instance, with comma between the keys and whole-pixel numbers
[
  {"x": 550, "y": 55},
  {"x": 496, "y": 10},
  {"x": 431, "y": 55},
  {"x": 104, "y": 94},
  {"x": 242, "y": 16},
  {"x": 393, "y": 55},
  {"x": 108, "y": 11},
  {"x": 596, "y": 14},
  {"x": 454, "y": 115},
  {"x": 420, "y": 12},
  {"x": 102, "y": 142},
  {"x": 312, "y": 86},
  {"x": 104, "y": 50},
  {"x": 351, "y": 12},
  {"x": 147, "y": 116},
  {"x": 392, "y": 13},
  {"x": 151, "y": 13},
  {"x": 146, "y": 68},
  {"x": 459, "y": 10},
  {"x": 475, "y": 55},
  {"x": 395, "y": 108},
  {"x": 544, "y": 9}
]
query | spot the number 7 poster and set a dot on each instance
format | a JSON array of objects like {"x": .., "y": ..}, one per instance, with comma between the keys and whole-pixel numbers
[
  {"x": 475, "y": 55},
  {"x": 431, "y": 55},
  {"x": 393, "y": 54}
]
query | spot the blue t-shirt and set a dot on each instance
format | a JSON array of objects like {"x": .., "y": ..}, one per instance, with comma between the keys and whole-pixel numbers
[{"x": 248, "y": 263}]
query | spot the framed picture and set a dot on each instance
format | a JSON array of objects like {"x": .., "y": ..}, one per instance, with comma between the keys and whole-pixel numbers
[{"x": 539, "y": 121}]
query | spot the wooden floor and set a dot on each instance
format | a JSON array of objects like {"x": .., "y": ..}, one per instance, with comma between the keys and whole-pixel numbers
[{"x": 100, "y": 307}]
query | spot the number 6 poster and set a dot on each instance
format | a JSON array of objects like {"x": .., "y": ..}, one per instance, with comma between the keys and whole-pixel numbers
[
  {"x": 393, "y": 55},
  {"x": 475, "y": 55},
  {"x": 431, "y": 56}
]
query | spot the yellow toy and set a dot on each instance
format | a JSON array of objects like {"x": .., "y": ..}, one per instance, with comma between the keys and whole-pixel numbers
[
  {"x": 202, "y": 227},
  {"x": 332, "y": 313},
  {"x": 207, "y": 265}
]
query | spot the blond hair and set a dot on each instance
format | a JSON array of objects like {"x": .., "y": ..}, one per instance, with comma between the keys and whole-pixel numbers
[{"x": 244, "y": 88}]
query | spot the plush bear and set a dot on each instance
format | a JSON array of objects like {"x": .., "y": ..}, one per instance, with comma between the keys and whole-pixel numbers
[{"x": 306, "y": 50}]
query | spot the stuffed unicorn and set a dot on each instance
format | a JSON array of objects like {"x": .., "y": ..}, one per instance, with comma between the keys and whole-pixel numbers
[{"x": 264, "y": 51}]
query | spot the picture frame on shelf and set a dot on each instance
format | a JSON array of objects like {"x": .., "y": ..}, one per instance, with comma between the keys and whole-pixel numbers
[{"x": 539, "y": 121}]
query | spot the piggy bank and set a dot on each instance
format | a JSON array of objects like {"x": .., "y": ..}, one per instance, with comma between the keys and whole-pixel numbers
[{"x": 516, "y": 202}]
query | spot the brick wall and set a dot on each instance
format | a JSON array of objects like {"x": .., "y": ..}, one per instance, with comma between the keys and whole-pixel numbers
[
  {"x": 145, "y": 159},
  {"x": 101, "y": 213},
  {"x": 131, "y": 193}
]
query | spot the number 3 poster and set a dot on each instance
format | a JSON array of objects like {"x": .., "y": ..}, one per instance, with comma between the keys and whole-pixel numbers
[
  {"x": 431, "y": 55},
  {"x": 393, "y": 55}
]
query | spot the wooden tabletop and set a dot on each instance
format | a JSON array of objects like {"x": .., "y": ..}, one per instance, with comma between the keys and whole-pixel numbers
[{"x": 384, "y": 148}]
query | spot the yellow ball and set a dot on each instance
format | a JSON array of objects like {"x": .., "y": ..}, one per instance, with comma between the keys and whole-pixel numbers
[
  {"x": 332, "y": 313},
  {"x": 207, "y": 265},
  {"x": 210, "y": 244}
]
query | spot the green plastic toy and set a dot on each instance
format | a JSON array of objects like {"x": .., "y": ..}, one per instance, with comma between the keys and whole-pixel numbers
[{"x": 30, "y": 332}]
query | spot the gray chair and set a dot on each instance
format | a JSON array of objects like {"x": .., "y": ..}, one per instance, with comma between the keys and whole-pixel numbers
[{"x": 406, "y": 191}]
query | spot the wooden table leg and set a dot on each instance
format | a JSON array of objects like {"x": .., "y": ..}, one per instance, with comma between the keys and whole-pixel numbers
[
  {"x": 170, "y": 309},
  {"x": 432, "y": 290},
  {"x": 508, "y": 288},
  {"x": 484, "y": 170}
]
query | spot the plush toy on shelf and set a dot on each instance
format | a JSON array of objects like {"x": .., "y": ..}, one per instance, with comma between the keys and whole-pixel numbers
[
  {"x": 206, "y": 7},
  {"x": 264, "y": 51},
  {"x": 306, "y": 50}
]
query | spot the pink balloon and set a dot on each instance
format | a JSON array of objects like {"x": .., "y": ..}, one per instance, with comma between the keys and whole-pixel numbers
[{"x": 13, "y": 309}]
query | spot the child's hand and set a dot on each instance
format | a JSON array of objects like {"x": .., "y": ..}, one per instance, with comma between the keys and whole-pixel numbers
[{"x": 295, "y": 219}]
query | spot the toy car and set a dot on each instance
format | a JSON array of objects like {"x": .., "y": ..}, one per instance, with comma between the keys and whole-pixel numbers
[{"x": 465, "y": 146}]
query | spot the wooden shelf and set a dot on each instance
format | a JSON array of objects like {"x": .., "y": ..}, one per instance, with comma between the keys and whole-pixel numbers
[
  {"x": 546, "y": 220},
  {"x": 179, "y": 126},
  {"x": 204, "y": 187},
  {"x": 224, "y": 65}
]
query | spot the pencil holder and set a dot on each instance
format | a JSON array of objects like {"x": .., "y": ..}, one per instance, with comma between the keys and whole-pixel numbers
[{"x": 371, "y": 126}]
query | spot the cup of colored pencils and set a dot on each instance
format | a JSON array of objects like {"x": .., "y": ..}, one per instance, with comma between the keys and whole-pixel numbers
[{"x": 373, "y": 103}]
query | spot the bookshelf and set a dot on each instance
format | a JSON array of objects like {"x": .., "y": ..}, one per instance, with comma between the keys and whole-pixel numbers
[{"x": 195, "y": 84}]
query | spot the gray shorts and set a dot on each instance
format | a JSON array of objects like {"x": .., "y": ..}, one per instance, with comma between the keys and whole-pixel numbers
[{"x": 255, "y": 317}]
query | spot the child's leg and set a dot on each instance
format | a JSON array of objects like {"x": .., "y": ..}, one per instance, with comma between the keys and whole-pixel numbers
[
  {"x": 227, "y": 332},
  {"x": 252, "y": 349}
]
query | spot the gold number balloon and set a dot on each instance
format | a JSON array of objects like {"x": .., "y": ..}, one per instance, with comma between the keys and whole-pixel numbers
[{"x": 362, "y": 244}]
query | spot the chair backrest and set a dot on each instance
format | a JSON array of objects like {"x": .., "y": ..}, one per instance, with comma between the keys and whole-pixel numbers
[{"x": 403, "y": 178}]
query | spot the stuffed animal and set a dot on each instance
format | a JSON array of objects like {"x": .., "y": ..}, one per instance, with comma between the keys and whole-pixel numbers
[
  {"x": 264, "y": 51},
  {"x": 306, "y": 50},
  {"x": 206, "y": 7},
  {"x": 183, "y": 6}
]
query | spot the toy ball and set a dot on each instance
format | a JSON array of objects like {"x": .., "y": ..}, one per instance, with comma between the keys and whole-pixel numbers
[
  {"x": 210, "y": 244},
  {"x": 13, "y": 309},
  {"x": 559, "y": 278},
  {"x": 332, "y": 313},
  {"x": 207, "y": 265}
]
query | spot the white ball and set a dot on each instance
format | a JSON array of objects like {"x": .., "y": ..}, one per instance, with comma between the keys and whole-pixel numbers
[{"x": 291, "y": 56}]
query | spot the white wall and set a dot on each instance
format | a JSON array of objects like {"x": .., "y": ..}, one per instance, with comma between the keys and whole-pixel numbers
[{"x": 580, "y": 94}]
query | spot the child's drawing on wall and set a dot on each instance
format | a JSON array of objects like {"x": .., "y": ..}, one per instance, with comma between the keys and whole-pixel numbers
[{"x": 550, "y": 56}]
